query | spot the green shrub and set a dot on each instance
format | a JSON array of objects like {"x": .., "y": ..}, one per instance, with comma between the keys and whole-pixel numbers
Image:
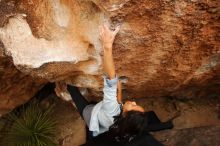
[{"x": 33, "y": 126}]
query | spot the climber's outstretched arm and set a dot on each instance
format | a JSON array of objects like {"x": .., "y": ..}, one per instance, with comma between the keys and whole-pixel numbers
[{"x": 107, "y": 37}]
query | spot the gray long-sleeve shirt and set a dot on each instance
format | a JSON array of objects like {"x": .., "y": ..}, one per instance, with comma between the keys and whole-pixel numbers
[{"x": 100, "y": 117}]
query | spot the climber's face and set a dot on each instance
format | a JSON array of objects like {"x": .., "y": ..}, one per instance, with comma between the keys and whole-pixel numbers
[{"x": 132, "y": 106}]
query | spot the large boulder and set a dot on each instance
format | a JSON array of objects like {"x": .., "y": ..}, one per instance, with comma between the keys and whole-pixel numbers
[
  {"x": 164, "y": 47},
  {"x": 200, "y": 136},
  {"x": 16, "y": 88}
]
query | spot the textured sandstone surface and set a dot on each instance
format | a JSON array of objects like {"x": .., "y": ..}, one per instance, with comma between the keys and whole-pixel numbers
[
  {"x": 164, "y": 47},
  {"x": 16, "y": 88},
  {"x": 202, "y": 136}
]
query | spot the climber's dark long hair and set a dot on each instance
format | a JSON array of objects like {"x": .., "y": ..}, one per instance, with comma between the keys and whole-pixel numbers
[{"x": 129, "y": 125}]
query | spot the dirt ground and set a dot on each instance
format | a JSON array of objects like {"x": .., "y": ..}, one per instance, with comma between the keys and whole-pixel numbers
[{"x": 194, "y": 113}]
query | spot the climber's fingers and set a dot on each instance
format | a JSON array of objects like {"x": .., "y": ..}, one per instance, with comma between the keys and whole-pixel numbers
[
  {"x": 100, "y": 30},
  {"x": 105, "y": 27},
  {"x": 106, "y": 35},
  {"x": 117, "y": 29},
  {"x": 57, "y": 89}
]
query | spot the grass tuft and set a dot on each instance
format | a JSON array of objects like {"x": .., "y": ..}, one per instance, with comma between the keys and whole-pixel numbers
[{"x": 32, "y": 126}]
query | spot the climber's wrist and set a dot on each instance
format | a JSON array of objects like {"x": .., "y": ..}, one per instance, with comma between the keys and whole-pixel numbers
[{"x": 107, "y": 47}]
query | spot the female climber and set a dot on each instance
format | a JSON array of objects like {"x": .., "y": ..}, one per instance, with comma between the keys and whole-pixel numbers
[{"x": 110, "y": 122}]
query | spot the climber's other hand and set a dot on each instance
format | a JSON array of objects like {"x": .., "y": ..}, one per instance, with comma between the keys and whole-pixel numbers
[{"x": 61, "y": 91}]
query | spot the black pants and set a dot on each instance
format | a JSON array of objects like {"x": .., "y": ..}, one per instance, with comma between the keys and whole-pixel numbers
[
  {"x": 155, "y": 124},
  {"x": 80, "y": 103}
]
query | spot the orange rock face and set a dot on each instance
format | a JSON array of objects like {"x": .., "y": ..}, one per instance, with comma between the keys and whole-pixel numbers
[{"x": 164, "y": 47}]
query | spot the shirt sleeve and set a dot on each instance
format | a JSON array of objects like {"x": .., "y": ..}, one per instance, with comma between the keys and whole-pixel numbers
[{"x": 110, "y": 103}]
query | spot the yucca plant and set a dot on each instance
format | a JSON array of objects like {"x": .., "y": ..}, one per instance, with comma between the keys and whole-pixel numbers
[{"x": 33, "y": 127}]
